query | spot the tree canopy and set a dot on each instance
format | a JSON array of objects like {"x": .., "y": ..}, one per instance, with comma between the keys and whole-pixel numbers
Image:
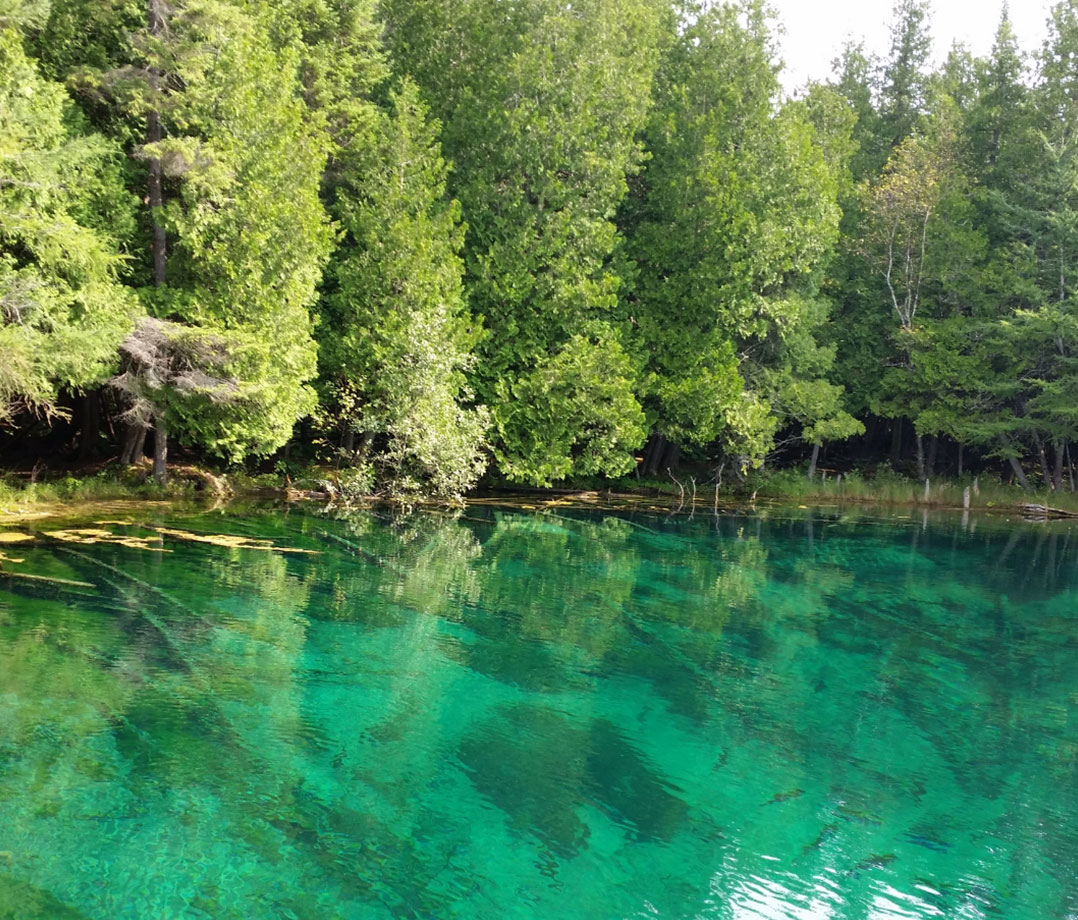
[{"x": 434, "y": 241}]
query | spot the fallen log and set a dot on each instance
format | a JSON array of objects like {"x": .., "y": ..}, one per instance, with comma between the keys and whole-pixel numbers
[{"x": 1044, "y": 511}]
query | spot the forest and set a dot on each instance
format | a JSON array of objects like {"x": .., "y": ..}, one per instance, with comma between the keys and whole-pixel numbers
[{"x": 447, "y": 242}]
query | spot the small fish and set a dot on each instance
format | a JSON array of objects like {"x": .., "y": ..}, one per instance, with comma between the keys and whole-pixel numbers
[
  {"x": 873, "y": 862},
  {"x": 547, "y": 864},
  {"x": 826, "y": 833},
  {"x": 856, "y": 814},
  {"x": 785, "y": 796},
  {"x": 928, "y": 840},
  {"x": 932, "y": 891}
]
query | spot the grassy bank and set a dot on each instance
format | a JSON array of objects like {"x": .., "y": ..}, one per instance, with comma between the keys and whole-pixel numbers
[
  {"x": 19, "y": 495},
  {"x": 881, "y": 487},
  {"x": 885, "y": 487}
]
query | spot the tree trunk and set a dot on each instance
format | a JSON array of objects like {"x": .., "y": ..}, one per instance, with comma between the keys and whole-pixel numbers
[
  {"x": 134, "y": 443},
  {"x": 1019, "y": 473},
  {"x": 920, "y": 458},
  {"x": 91, "y": 426},
  {"x": 1042, "y": 459},
  {"x": 896, "y": 441},
  {"x": 960, "y": 449},
  {"x": 154, "y": 193},
  {"x": 812, "y": 462},
  {"x": 1070, "y": 467},
  {"x": 930, "y": 463},
  {"x": 156, "y": 200},
  {"x": 159, "y": 244},
  {"x": 649, "y": 452},
  {"x": 1057, "y": 473},
  {"x": 160, "y": 451},
  {"x": 654, "y": 454},
  {"x": 671, "y": 456},
  {"x": 348, "y": 442},
  {"x": 107, "y": 410}
]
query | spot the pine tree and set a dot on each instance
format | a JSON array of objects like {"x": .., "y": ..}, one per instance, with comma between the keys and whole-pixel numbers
[{"x": 903, "y": 94}]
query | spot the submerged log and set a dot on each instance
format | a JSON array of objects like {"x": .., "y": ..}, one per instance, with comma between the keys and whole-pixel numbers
[{"x": 48, "y": 579}]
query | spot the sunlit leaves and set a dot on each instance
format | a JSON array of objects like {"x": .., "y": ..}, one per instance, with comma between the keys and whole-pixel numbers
[{"x": 62, "y": 310}]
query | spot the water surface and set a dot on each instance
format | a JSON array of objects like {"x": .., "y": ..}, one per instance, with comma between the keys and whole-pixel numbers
[{"x": 510, "y": 715}]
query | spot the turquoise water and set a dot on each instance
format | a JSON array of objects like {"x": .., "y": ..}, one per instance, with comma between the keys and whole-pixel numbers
[{"x": 536, "y": 716}]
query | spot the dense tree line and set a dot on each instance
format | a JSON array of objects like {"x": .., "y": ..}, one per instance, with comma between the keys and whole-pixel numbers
[{"x": 437, "y": 239}]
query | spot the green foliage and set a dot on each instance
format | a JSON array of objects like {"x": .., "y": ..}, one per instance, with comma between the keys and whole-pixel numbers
[
  {"x": 882, "y": 486},
  {"x": 541, "y": 104},
  {"x": 733, "y": 216},
  {"x": 62, "y": 310},
  {"x": 246, "y": 232},
  {"x": 573, "y": 414},
  {"x": 250, "y": 232},
  {"x": 238, "y": 213},
  {"x": 396, "y": 338},
  {"x": 904, "y": 91}
]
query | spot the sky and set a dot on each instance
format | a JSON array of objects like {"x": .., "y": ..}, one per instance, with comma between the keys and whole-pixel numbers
[{"x": 815, "y": 30}]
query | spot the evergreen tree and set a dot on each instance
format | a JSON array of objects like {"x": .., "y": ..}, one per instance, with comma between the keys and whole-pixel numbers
[
  {"x": 236, "y": 235},
  {"x": 64, "y": 219},
  {"x": 864, "y": 323},
  {"x": 395, "y": 337},
  {"x": 855, "y": 80},
  {"x": 903, "y": 94},
  {"x": 632, "y": 240},
  {"x": 734, "y": 212},
  {"x": 540, "y": 104}
]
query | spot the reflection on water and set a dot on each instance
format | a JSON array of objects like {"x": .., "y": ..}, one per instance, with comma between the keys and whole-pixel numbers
[{"x": 534, "y": 716}]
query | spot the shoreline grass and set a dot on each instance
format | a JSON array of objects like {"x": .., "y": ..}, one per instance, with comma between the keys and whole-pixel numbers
[
  {"x": 889, "y": 488},
  {"x": 779, "y": 487}
]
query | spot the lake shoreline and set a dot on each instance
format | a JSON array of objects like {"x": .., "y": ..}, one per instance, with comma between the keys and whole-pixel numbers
[{"x": 105, "y": 489}]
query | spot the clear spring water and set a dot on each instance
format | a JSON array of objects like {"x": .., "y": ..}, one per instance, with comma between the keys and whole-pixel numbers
[{"x": 536, "y": 716}]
